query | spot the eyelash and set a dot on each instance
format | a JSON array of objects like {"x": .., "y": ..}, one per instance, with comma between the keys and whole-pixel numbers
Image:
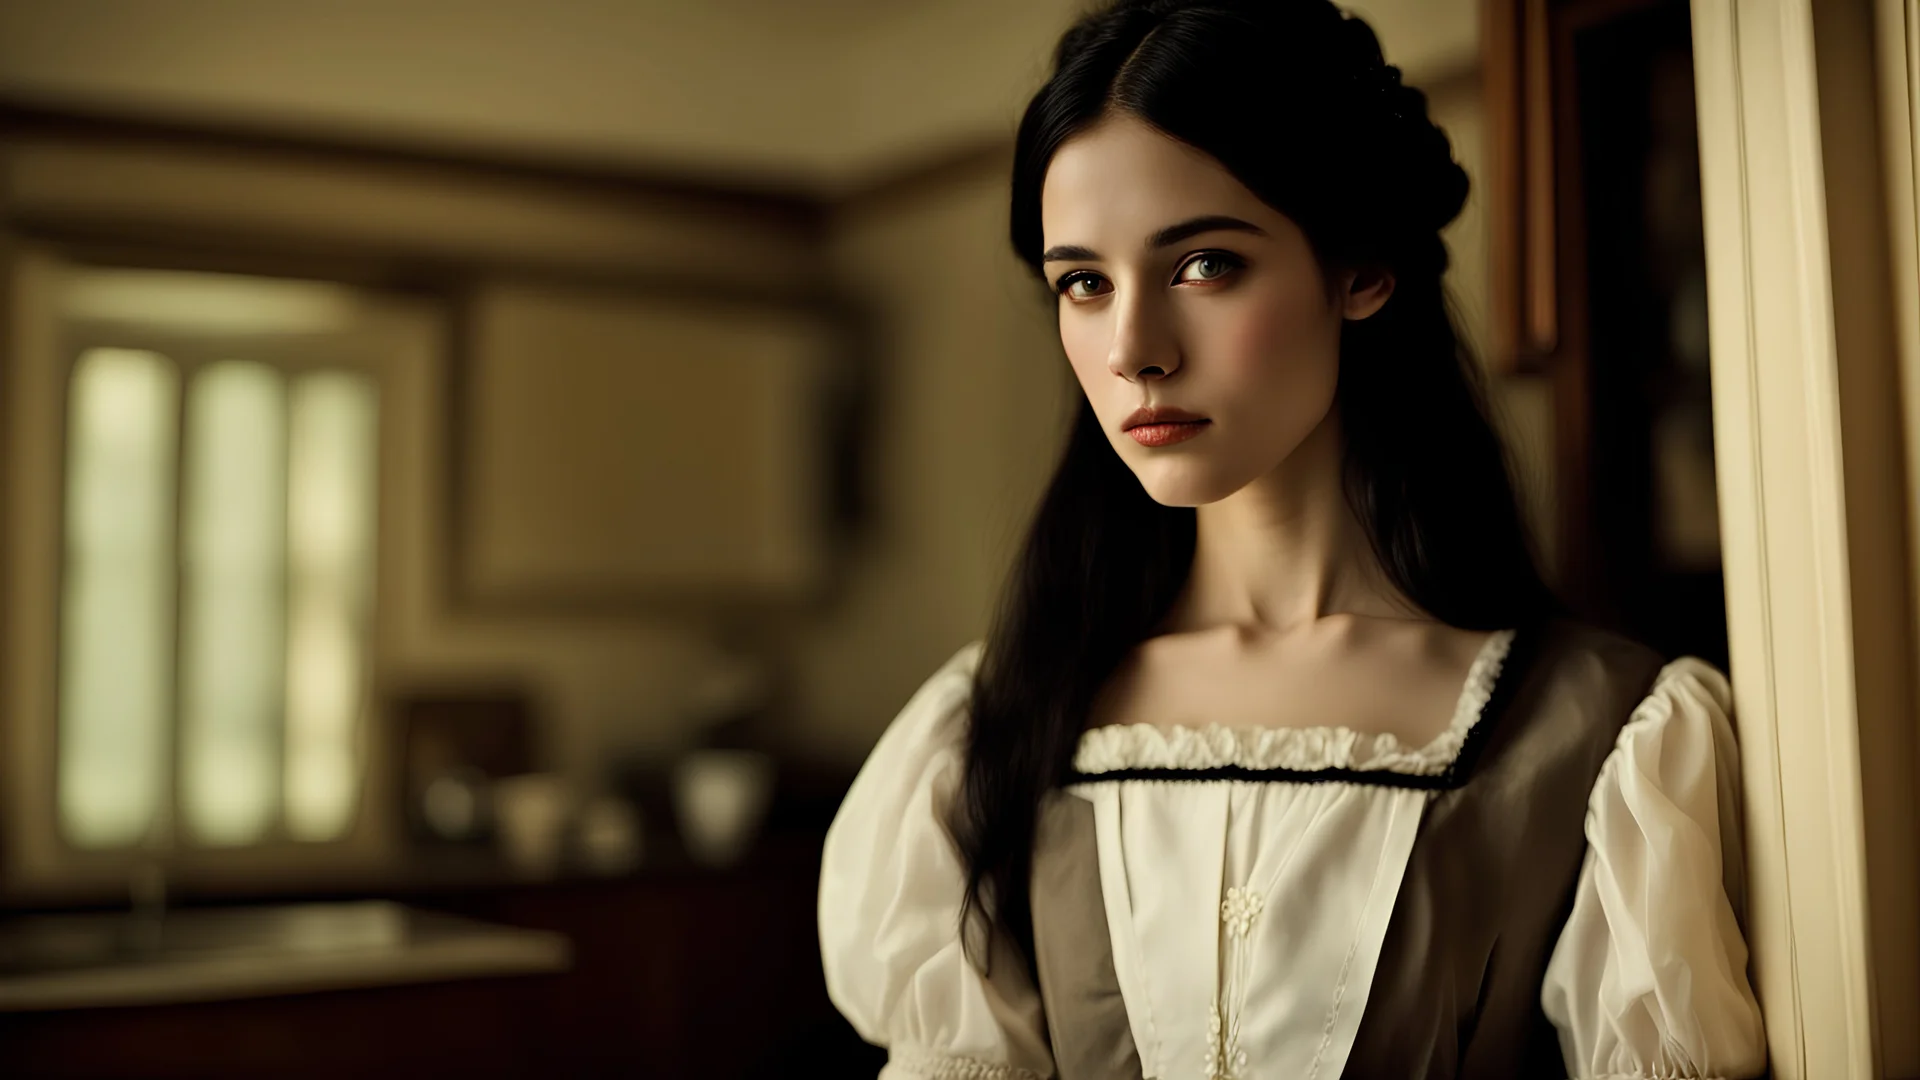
[
  {"x": 1233, "y": 262},
  {"x": 1067, "y": 280}
]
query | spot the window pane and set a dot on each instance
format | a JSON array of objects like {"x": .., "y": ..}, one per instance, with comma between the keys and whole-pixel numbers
[
  {"x": 116, "y": 651},
  {"x": 233, "y": 601},
  {"x": 331, "y": 496}
]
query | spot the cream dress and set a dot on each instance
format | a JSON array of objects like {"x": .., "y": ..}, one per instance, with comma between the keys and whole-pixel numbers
[{"x": 1249, "y": 877}]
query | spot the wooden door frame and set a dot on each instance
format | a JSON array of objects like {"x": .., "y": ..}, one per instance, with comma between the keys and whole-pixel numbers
[{"x": 1818, "y": 571}]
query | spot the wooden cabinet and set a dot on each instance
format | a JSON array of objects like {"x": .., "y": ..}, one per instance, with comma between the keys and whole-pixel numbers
[{"x": 676, "y": 973}]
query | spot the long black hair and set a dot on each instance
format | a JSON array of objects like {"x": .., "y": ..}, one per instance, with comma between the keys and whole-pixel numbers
[{"x": 1295, "y": 100}]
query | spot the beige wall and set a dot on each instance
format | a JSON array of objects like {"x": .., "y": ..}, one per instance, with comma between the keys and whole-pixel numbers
[{"x": 973, "y": 400}]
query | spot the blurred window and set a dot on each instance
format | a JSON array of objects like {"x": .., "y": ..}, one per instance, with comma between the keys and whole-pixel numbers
[
  {"x": 216, "y": 603},
  {"x": 117, "y": 603}
]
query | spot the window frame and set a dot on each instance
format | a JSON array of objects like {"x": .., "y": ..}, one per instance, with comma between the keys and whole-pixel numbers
[{"x": 42, "y": 867}]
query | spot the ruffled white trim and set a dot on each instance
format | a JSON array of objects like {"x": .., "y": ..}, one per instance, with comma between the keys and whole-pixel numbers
[
  {"x": 1118, "y": 747},
  {"x": 923, "y": 1064}
]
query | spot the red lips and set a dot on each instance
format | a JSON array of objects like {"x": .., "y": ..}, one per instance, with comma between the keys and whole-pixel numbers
[{"x": 1163, "y": 426}]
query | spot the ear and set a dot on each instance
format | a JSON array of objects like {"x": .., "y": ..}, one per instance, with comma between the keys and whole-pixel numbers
[{"x": 1366, "y": 292}]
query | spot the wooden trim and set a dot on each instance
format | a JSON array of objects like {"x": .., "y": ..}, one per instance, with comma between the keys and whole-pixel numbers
[
  {"x": 1777, "y": 437},
  {"x": 786, "y": 202},
  {"x": 1895, "y": 31},
  {"x": 11, "y": 336},
  {"x": 1898, "y": 39},
  {"x": 1899, "y": 53},
  {"x": 1541, "y": 295},
  {"x": 1582, "y": 566},
  {"x": 783, "y": 201},
  {"x": 1519, "y": 69}
]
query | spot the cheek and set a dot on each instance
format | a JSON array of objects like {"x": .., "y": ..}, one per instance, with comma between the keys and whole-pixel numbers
[
  {"x": 1279, "y": 347},
  {"x": 1085, "y": 341}
]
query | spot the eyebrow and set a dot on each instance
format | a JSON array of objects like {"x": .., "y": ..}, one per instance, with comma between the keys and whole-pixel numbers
[{"x": 1166, "y": 237}]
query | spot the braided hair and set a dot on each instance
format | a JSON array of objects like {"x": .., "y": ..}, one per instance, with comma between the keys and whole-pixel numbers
[{"x": 1294, "y": 98}]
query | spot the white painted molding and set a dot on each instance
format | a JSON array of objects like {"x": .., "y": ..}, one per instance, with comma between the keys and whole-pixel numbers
[{"x": 1777, "y": 437}]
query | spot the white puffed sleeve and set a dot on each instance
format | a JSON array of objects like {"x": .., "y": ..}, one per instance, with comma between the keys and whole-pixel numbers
[
  {"x": 1649, "y": 978},
  {"x": 891, "y": 885}
]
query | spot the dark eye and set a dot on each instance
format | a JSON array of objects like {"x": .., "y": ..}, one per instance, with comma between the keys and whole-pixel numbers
[
  {"x": 1081, "y": 285},
  {"x": 1207, "y": 266}
]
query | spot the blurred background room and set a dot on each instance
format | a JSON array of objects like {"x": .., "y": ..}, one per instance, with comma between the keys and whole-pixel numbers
[{"x": 478, "y": 477}]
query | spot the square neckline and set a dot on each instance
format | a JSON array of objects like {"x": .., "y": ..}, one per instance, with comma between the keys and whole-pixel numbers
[{"x": 1184, "y": 749}]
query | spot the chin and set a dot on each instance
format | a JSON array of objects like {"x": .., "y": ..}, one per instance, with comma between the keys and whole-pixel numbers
[{"x": 1184, "y": 482}]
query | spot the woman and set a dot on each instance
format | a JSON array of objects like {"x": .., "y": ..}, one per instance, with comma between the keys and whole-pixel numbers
[{"x": 1278, "y": 761}]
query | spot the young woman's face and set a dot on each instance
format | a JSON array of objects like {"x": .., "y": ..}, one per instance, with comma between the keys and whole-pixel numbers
[{"x": 1196, "y": 317}]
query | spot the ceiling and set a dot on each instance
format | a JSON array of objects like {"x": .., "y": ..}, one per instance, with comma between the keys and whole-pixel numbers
[{"x": 818, "y": 93}]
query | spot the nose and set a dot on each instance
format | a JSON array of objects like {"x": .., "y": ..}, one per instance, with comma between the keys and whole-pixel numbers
[{"x": 1144, "y": 346}]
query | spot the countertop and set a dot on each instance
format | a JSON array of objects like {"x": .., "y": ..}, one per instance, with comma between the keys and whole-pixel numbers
[{"x": 117, "y": 959}]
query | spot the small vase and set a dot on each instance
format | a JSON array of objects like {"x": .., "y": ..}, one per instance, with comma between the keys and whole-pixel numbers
[{"x": 719, "y": 798}]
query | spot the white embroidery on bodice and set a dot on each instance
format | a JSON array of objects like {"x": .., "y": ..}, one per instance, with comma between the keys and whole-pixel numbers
[{"x": 1238, "y": 912}]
